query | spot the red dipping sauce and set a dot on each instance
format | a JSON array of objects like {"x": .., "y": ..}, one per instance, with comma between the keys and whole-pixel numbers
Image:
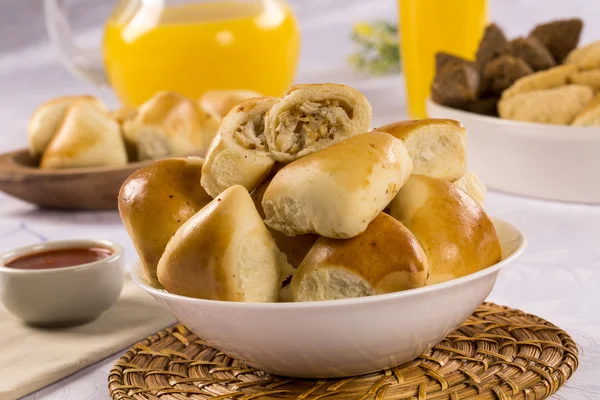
[{"x": 60, "y": 258}]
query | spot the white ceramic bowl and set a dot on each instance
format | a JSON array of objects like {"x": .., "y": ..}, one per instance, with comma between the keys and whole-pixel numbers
[
  {"x": 62, "y": 296},
  {"x": 338, "y": 338},
  {"x": 554, "y": 162}
]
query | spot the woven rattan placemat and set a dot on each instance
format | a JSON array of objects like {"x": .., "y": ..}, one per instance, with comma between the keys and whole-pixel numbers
[{"x": 498, "y": 353}]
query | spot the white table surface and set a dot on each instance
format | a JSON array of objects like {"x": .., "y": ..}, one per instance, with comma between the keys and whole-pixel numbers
[{"x": 558, "y": 278}]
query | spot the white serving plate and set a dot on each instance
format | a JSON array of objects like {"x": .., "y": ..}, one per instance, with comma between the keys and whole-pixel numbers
[
  {"x": 553, "y": 162},
  {"x": 338, "y": 338}
]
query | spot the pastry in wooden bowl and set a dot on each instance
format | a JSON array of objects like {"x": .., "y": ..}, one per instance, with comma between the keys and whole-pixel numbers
[
  {"x": 155, "y": 201},
  {"x": 224, "y": 252},
  {"x": 437, "y": 147},
  {"x": 457, "y": 235},
  {"x": 312, "y": 117},
  {"x": 238, "y": 154},
  {"x": 170, "y": 124},
  {"x": 46, "y": 120},
  {"x": 87, "y": 137},
  {"x": 222, "y": 101},
  {"x": 338, "y": 191},
  {"x": 385, "y": 258}
]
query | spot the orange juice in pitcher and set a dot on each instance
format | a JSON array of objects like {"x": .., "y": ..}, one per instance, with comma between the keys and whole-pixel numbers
[
  {"x": 185, "y": 46},
  {"x": 198, "y": 46}
]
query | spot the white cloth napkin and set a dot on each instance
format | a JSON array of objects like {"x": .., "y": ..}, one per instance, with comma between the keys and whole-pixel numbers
[{"x": 31, "y": 358}]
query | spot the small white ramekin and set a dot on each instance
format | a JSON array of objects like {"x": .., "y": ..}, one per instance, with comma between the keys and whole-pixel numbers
[{"x": 62, "y": 296}]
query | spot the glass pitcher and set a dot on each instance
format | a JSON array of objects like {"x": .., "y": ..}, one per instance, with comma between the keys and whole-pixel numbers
[{"x": 185, "y": 46}]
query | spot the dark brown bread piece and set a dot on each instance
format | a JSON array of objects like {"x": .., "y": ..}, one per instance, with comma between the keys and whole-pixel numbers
[
  {"x": 487, "y": 106},
  {"x": 456, "y": 83},
  {"x": 500, "y": 73},
  {"x": 533, "y": 52},
  {"x": 493, "y": 44},
  {"x": 560, "y": 37},
  {"x": 441, "y": 59}
]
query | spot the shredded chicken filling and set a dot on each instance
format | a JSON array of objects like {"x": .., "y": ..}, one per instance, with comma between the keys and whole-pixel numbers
[
  {"x": 301, "y": 127},
  {"x": 251, "y": 135}
]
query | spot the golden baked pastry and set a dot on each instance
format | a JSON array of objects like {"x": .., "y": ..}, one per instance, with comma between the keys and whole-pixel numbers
[
  {"x": 224, "y": 252},
  {"x": 155, "y": 201},
  {"x": 457, "y": 235},
  {"x": 338, "y": 191},
  {"x": 553, "y": 106},
  {"x": 222, "y": 101},
  {"x": 590, "y": 115},
  {"x": 548, "y": 79},
  {"x": 437, "y": 147},
  {"x": 586, "y": 57},
  {"x": 238, "y": 155},
  {"x": 385, "y": 258},
  {"x": 294, "y": 247},
  {"x": 123, "y": 113},
  {"x": 473, "y": 186},
  {"x": 86, "y": 137},
  {"x": 170, "y": 124},
  {"x": 590, "y": 77},
  {"x": 312, "y": 117},
  {"x": 48, "y": 117}
]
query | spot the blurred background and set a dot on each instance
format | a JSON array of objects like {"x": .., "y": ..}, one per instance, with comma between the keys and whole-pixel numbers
[{"x": 31, "y": 72}]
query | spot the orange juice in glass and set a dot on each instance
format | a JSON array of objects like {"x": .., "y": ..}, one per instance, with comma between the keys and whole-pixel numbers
[
  {"x": 429, "y": 26},
  {"x": 190, "y": 46}
]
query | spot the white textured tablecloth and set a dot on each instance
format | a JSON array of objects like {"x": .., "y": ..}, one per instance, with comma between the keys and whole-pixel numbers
[{"x": 558, "y": 278}]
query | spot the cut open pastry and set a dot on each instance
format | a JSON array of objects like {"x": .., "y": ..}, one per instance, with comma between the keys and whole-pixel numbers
[
  {"x": 238, "y": 155},
  {"x": 294, "y": 247},
  {"x": 87, "y": 137},
  {"x": 46, "y": 120},
  {"x": 457, "y": 235},
  {"x": 224, "y": 252},
  {"x": 385, "y": 258},
  {"x": 170, "y": 124},
  {"x": 437, "y": 147},
  {"x": 222, "y": 101},
  {"x": 338, "y": 191},
  {"x": 311, "y": 117},
  {"x": 155, "y": 201}
]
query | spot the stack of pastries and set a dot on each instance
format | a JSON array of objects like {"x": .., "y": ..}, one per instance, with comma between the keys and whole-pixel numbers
[
  {"x": 297, "y": 200},
  {"x": 80, "y": 131}
]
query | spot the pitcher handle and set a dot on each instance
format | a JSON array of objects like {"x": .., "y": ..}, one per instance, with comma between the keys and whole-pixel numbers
[{"x": 84, "y": 63}]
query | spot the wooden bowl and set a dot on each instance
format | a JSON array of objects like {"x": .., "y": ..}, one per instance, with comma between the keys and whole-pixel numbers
[{"x": 94, "y": 188}]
